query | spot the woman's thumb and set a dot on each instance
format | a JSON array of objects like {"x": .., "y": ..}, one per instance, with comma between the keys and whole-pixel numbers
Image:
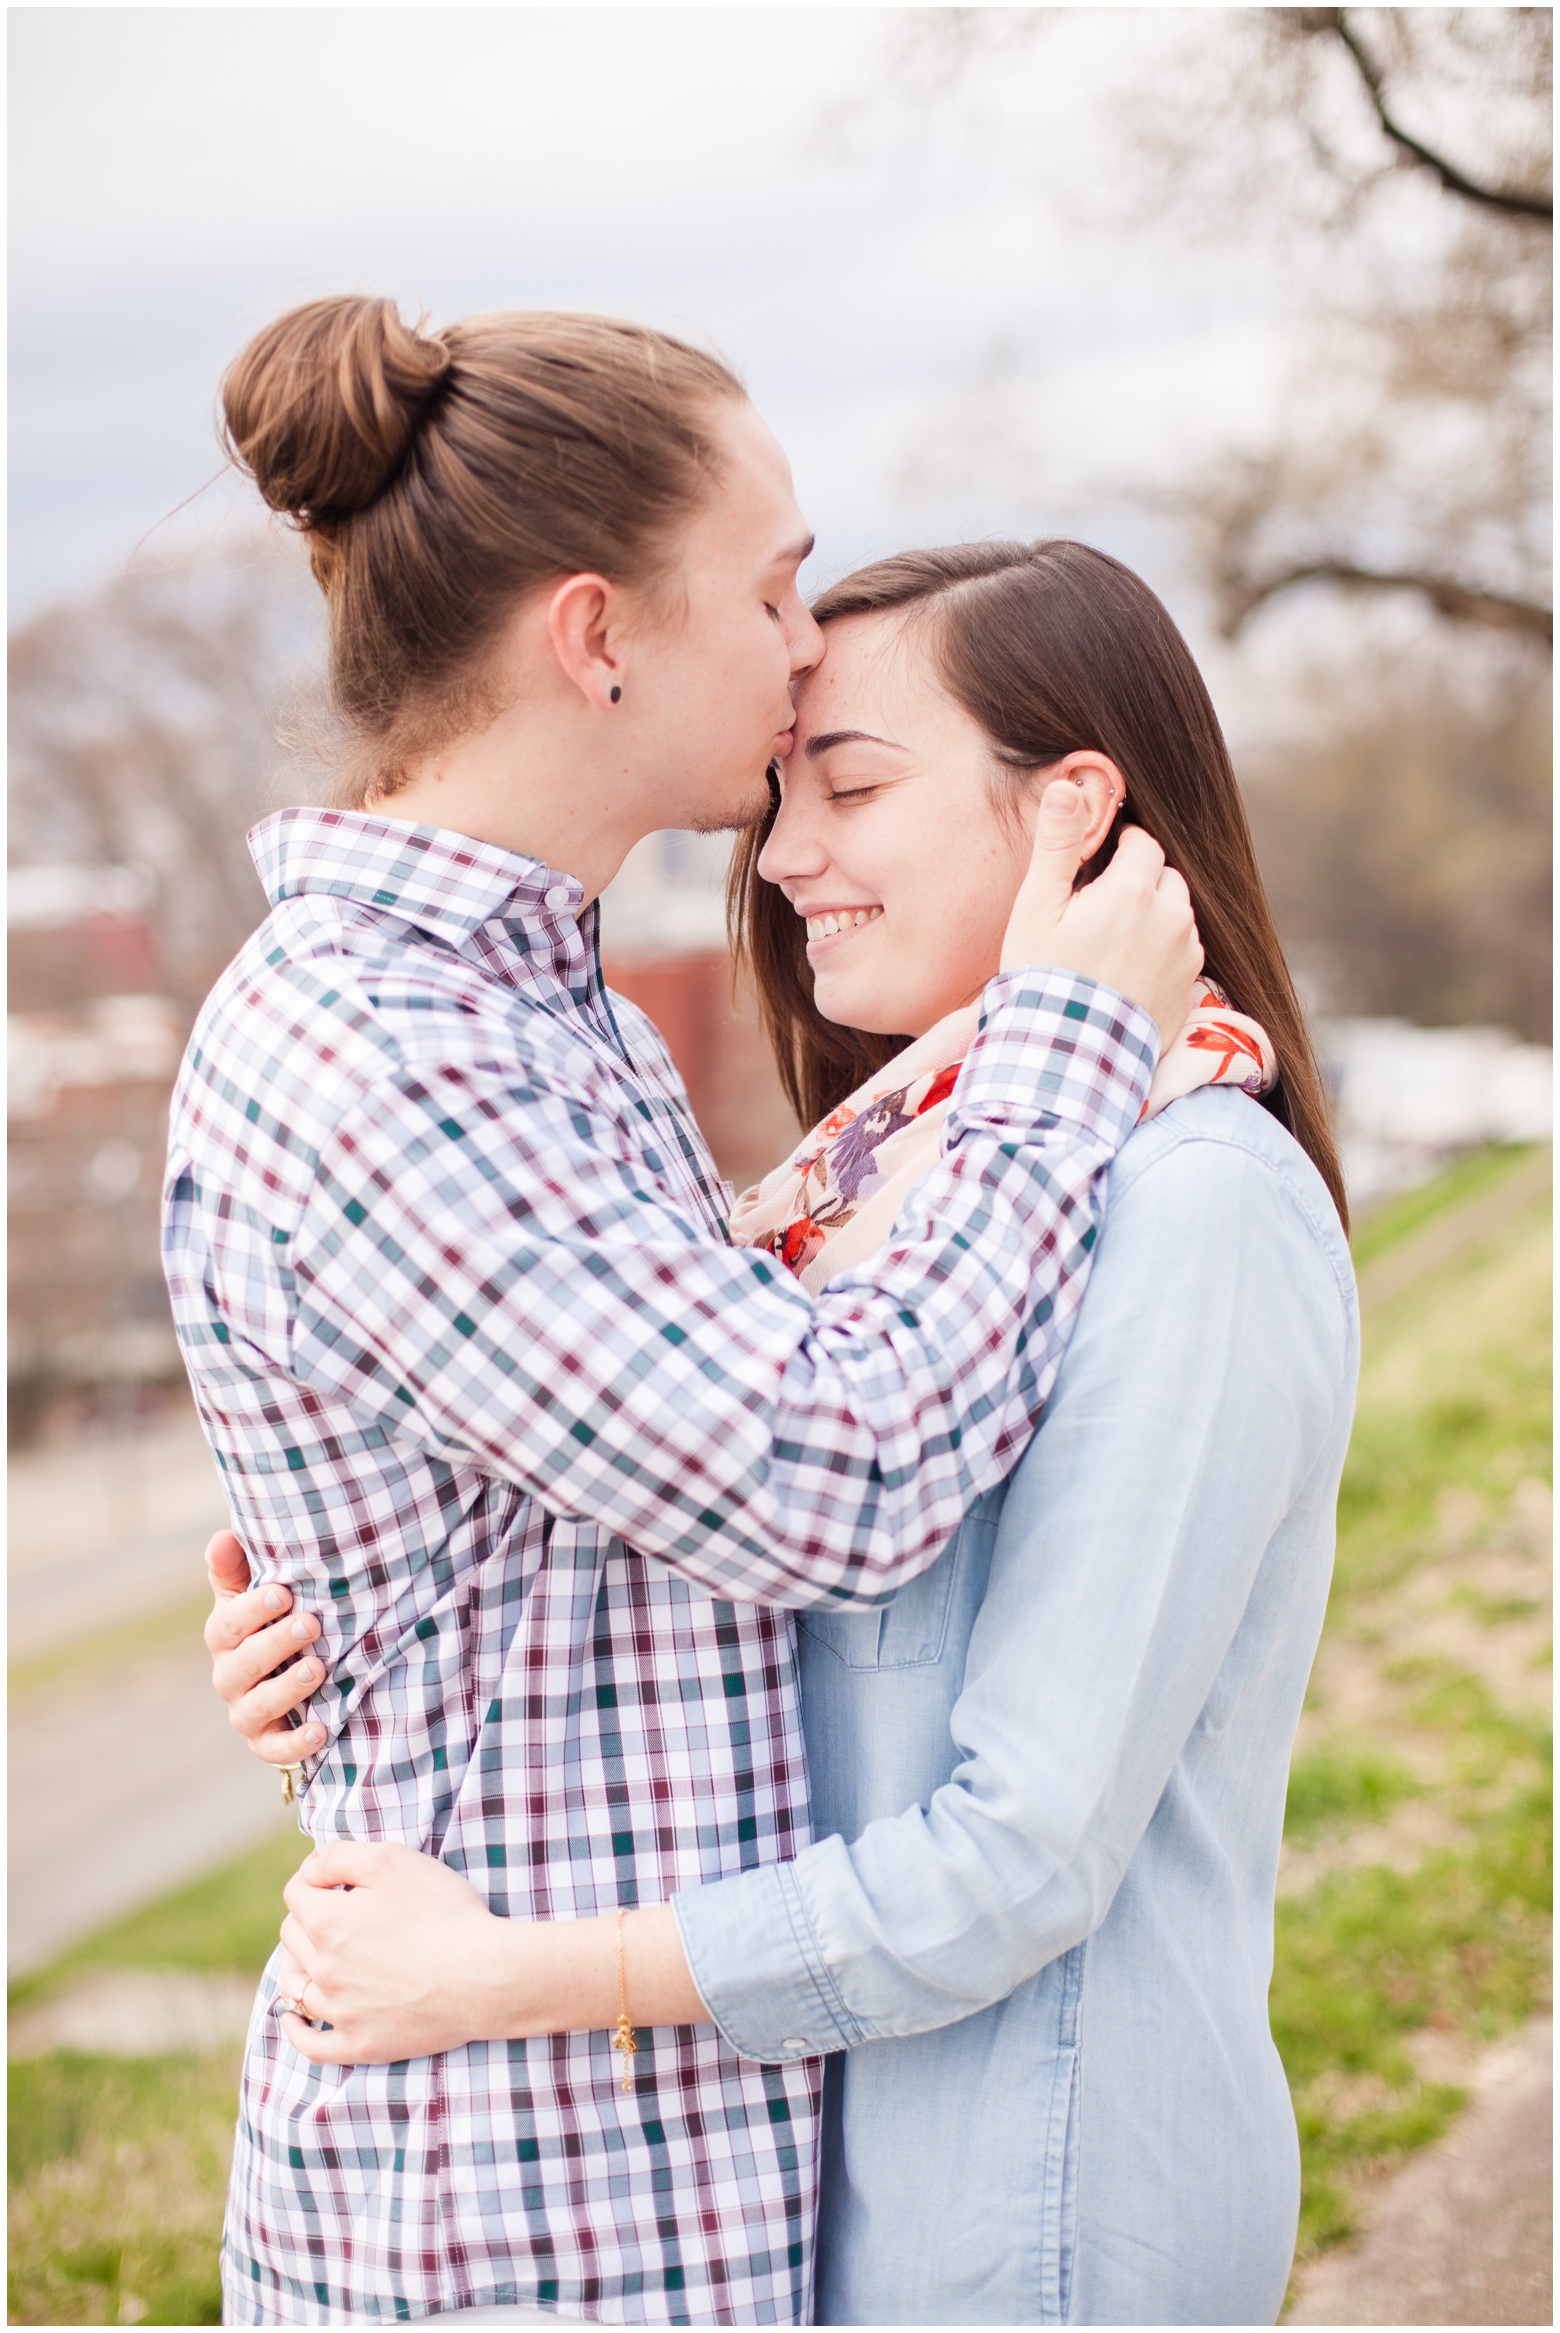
[{"x": 1060, "y": 830}]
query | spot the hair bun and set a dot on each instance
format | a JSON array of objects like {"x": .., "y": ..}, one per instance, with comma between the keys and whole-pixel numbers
[{"x": 321, "y": 408}]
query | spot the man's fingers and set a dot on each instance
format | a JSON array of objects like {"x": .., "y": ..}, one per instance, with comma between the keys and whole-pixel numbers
[
  {"x": 260, "y": 1652},
  {"x": 260, "y": 1709},
  {"x": 284, "y": 1745},
  {"x": 227, "y": 1566},
  {"x": 236, "y": 1619}
]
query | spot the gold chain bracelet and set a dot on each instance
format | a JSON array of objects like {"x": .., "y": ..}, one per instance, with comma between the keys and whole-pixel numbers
[{"x": 624, "y": 2039}]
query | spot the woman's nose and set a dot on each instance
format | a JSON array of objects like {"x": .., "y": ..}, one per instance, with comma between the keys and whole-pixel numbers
[{"x": 792, "y": 849}]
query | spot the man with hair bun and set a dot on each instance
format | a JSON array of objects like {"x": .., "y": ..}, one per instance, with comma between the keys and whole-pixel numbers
[{"x": 489, "y": 1387}]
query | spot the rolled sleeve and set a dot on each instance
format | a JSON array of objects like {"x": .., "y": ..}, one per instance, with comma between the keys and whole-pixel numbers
[{"x": 759, "y": 1966}]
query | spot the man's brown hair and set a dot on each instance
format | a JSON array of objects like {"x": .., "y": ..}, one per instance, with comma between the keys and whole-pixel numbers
[{"x": 442, "y": 477}]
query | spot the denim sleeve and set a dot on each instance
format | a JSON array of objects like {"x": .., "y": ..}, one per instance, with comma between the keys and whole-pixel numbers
[{"x": 1210, "y": 1374}]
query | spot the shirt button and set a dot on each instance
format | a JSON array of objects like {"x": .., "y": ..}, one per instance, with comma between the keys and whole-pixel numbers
[
  {"x": 557, "y": 897},
  {"x": 793, "y": 2043}
]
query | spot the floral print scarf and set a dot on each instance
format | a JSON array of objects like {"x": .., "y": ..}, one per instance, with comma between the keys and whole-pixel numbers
[{"x": 833, "y": 1202}]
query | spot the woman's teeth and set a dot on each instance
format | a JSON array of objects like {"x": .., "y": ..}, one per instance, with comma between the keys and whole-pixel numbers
[{"x": 849, "y": 919}]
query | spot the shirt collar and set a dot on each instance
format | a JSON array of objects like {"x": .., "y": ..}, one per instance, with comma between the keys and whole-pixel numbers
[{"x": 430, "y": 876}]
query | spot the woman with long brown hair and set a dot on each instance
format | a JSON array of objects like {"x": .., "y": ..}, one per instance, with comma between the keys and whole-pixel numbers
[{"x": 1034, "y": 1932}]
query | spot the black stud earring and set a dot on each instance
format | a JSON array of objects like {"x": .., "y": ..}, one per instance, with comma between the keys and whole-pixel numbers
[{"x": 617, "y": 696}]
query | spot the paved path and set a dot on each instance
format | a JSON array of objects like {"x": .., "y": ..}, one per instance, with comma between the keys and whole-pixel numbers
[
  {"x": 1458, "y": 1229},
  {"x": 107, "y": 1530},
  {"x": 1463, "y": 2235},
  {"x": 125, "y": 1778}
]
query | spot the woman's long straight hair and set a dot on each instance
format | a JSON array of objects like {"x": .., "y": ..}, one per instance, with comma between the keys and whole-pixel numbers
[{"x": 1054, "y": 649}]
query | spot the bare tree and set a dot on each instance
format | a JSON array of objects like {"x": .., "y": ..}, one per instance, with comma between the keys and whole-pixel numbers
[
  {"x": 1390, "y": 171},
  {"x": 1373, "y": 186},
  {"x": 1406, "y": 848},
  {"x": 143, "y": 733},
  {"x": 1415, "y": 456}
]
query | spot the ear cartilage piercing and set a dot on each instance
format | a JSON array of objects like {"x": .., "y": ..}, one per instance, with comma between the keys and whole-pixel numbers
[{"x": 617, "y": 696}]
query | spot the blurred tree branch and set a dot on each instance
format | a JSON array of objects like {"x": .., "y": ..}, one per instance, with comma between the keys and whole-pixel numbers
[
  {"x": 1410, "y": 449},
  {"x": 1455, "y": 181},
  {"x": 143, "y": 733},
  {"x": 1454, "y": 600},
  {"x": 1372, "y": 188}
]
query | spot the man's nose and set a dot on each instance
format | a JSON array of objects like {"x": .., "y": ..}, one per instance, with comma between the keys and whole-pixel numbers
[{"x": 806, "y": 643}]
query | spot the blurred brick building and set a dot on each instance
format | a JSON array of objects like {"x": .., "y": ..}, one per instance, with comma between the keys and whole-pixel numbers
[
  {"x": 96, "y": 1029},
  {"x": 663, "y": 945},
  {"x": 93, "y": 1042}
]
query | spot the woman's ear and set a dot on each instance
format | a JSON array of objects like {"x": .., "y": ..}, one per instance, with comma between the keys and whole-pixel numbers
[{"x": 1102, "y": 786}]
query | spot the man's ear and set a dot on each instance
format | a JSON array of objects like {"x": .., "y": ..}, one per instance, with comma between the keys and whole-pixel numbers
[
  {"x": 583, "y": 624},
  {"x": 1102, "y": 786}
]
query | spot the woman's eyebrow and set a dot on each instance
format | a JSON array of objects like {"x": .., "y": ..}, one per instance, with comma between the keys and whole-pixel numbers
[{"x": 832, "y": 737}]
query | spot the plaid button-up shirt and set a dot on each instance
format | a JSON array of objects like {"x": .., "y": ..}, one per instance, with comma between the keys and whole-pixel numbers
[{"x": 495, "y": 1396}]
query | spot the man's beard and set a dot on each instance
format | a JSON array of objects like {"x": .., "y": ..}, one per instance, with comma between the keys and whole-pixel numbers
[{"x": 738, "y": 821}]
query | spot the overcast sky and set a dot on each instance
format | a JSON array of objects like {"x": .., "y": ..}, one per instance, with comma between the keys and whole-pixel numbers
[{"x": 749, "y": 175}]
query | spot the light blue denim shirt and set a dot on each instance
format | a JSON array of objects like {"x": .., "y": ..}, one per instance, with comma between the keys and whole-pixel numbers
[{"x": 1048, "y": 1787}]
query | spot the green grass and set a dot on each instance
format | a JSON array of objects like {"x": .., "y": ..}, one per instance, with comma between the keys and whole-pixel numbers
[
  {"x": 1454, "y": 1395},
  {"x": 1342, "y": 1782},
  {"x": 1366, "y": 1959},
  {"x": 1454, "y": 1399},
  {"x": 118, "y": 2166},
  {"x": 1479, "y": 1171}
]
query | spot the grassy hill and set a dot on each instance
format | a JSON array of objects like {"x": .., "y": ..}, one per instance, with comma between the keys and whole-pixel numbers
[{"x": 1413, "y": 1918}]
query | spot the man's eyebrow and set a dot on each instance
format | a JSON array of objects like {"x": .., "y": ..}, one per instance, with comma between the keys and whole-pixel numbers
[
  {"x": 832, "y": 737},
  {"x": 795, "y": 553}
]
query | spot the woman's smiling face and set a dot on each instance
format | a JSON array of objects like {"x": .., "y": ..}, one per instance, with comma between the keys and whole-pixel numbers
[{"x": 888, "y": 837}]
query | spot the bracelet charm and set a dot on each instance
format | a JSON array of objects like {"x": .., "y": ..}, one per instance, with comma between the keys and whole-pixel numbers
[{"x": 625, "y": 2038}]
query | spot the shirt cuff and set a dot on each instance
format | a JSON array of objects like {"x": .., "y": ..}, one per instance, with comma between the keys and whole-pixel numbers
[
  {"x": 1055, "y": 1049},
  {"x": 759, "y": 1967}
]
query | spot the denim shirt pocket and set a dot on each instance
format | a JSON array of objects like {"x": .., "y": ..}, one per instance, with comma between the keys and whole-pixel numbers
[{"x": 911, "y": 1631}]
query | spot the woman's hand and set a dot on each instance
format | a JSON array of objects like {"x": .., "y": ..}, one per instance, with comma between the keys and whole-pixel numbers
[
  {"x": 251, "y": 1632},
  {"x": 1132, "y": 928},
  {"x": 398, "y": 1954},
  {"x": 402, "y": 1959}
]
